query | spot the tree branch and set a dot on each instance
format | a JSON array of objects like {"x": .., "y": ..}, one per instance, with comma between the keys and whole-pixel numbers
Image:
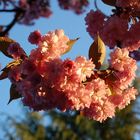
[
  {"x": 6, "y": 10},
  {"x": 13, "y": 22}
]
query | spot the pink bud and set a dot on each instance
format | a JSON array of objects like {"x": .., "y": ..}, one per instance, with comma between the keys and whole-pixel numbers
[{"x": 34, "y": 37}]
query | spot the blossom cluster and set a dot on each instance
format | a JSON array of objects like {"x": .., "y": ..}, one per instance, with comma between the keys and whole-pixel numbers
[
  {"x": 113, "y": 90},
  {"x": 121, "y": 29},
  {"x": 45, "y": 81},
  {"x": 34, "y": 10},
  {"x": 115, "y": 31},
  {"x": 76, "y": 5}
]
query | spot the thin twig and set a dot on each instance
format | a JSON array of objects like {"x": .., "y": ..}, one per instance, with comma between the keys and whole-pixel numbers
[
  {"x": 7, "y": 10},
  {"x": 13, "y": 22}
]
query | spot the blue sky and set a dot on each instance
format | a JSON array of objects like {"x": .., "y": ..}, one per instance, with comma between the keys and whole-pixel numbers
[{"x": 73, "y": 25}]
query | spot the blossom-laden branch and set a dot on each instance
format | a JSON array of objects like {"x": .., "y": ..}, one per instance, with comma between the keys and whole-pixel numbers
[
  {"x": 45, "y": 81},
  {"x": 27, "y": 11}
]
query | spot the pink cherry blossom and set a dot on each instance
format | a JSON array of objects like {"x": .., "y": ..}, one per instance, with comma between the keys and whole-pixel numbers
[
  {"x": 16, "y": 51},
  {"x": 100, "y": 111},
  {"x": 114, "y": 31},
  {"x": 46, "y": 81},
  {"x": 78, "y": 6},
  {"x": 121, "y": 62},
  {"x": 85, "y": 68},
  {"x": 95, "y": 21},
  {"x": 50, "y": 43},
  {"x": 34, "y": 10},
  {"x": 34, "y": 37},
  {"x": 128, "y": 95},
  {"x": 123, "y": 98},
  {"x": 132, "y": 38},
  {"x": 27, "y": 67}
]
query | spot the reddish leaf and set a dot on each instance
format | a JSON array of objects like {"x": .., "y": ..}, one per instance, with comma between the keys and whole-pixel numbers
[
  {"x": 3, "y": 75},
  {"x": 97, "y": 52},
  {"x": 110, "y": 2},
  {"x": 14, "y": 93},
  {"x": 6, "y": 70},
  {"x": 4, "y": 44}
]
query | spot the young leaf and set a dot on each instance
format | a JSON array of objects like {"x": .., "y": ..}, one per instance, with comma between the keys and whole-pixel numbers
[
  {"x": 13, "y": 93},
  {"x": 110, "y": 2},
  {"x": 70, "y": 43},
  {"x": 111, "y": 90},
  {"x": 6, "y": 70},
  {"x": 4, "y": 44},
  {"x": 97, "y": 52}
]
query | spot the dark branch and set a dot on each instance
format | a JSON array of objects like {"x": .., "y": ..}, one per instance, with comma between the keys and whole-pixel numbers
[
  {"x": 13, "y": 22},
  {"x": 11, "y": 10}
]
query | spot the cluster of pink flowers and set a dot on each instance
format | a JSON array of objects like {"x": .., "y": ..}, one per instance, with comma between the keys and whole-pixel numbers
[
  {"x": 45, "y": 81},
  {"x": 76, "y": 5},
  {"x": 113, "y": 91},
  {"x": 121, "y": 29},
  {"x": 115, "y": 31},
  {"x": 34, "y": 10}
]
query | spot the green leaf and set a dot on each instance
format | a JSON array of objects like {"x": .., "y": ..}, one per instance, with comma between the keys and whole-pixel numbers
[
  {"x": 4, "y": 44},
  {"x": 6, "y": 70},
  {"x": 70, "y": 43},
  {"x": 97, "y": 52},
  {"x": 13, "y": 93},
  {"x": 110, "y": 2}
]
